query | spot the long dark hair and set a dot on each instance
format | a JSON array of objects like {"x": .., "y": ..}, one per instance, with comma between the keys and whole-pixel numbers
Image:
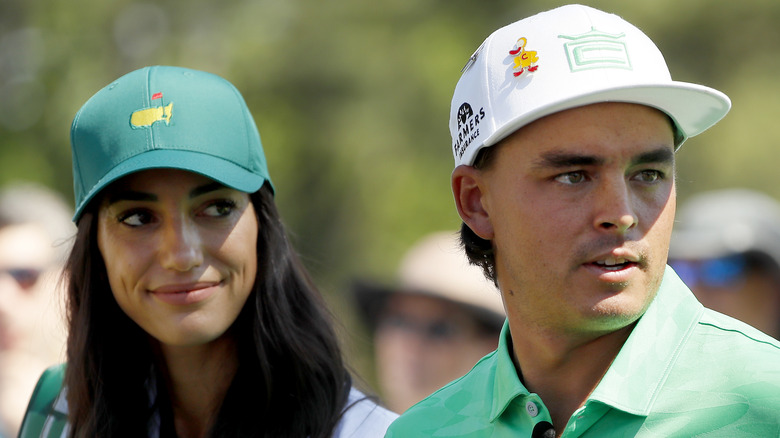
[{"x": 291, "y": 380}]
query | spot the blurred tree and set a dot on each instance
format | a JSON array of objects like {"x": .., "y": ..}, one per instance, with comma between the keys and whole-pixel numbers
[{"x": 352, "y": 98}]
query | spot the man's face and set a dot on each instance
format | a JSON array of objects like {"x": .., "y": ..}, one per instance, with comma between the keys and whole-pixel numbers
[
  {"x": 579, "y": 206},
  {"x": 30, "y": 312},
  {"x": 422, "y": 343},
  {"x": 739, "y": 285}
]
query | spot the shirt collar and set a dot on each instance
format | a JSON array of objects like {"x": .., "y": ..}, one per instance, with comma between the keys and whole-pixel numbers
[
  {"x": 506, "y": 384},
  {"x": 640, "y": 369},
  {"x": 638, "y": 372}
]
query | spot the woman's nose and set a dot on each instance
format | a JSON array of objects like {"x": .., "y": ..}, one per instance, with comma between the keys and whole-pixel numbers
[{"x": 181, "y": 247}]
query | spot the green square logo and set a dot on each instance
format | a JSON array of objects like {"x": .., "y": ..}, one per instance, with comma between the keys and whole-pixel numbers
[{"x": 596, "y": 49}]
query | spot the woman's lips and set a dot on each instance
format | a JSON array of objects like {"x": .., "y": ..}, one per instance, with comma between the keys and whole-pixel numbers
[{"x": 183, "y": 294}]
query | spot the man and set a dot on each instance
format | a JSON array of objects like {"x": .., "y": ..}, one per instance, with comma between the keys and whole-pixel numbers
[
  {"x": 564, "y": 179},
  {"x": 726, "y": 248},
  {"x": 433, "y": 324},
  {"x": 34, "y": 230}
]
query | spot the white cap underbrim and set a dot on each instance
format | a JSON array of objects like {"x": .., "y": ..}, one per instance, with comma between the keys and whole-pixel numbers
[{"x": 693, "y": 108}]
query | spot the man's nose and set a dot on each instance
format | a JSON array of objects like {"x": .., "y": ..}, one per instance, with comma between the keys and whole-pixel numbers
[{"x": 615, "y": 208}]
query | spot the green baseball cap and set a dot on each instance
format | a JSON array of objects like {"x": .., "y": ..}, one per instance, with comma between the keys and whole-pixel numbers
[{"x": 165, "y": 117}]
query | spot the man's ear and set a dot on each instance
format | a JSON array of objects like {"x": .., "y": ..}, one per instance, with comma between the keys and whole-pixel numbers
[{"x": 468, "y": 188}]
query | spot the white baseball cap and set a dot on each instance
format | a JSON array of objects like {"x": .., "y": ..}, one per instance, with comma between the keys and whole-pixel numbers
[
  {"x": 436, "y": 266},
  {"x": 565, "y": 58},
  {"x": 725, "y": 222}
]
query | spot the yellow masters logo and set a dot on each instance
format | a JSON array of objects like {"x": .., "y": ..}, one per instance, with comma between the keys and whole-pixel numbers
[{"x": 146, "y": 117}]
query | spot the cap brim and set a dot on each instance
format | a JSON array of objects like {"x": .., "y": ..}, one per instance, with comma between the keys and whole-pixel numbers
[
  {"x": 218, "y": 169},
  {"x": 694, "y": 246},
  {"x": 370, "y": 298},
  {"x": 693, "y": 108}
]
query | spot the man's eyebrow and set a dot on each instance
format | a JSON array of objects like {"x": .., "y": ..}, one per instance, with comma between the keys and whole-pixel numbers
[
  {"x": 566, "y": 159},
  {"x": 660, "y": 155}
]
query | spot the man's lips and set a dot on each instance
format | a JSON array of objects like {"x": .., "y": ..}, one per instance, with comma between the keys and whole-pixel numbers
[
  {"x": 615, "y": 264},
  {"x": 617, "y": 257}
]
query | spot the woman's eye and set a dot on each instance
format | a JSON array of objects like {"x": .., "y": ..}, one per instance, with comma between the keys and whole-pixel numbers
[
  {"x": 135, "y": 218},
  {"x": 219, "y": 208},
  {"x": 571, "y": 177}
]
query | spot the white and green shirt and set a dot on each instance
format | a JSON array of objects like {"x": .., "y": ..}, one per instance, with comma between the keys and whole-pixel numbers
[{"x": 47, "y": 414}]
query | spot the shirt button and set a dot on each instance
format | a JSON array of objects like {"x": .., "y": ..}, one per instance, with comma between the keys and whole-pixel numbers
[{"x": 532, "y": 409}]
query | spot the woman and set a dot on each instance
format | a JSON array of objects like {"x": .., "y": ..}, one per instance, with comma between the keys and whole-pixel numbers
[{"x": 190, "y": 314}]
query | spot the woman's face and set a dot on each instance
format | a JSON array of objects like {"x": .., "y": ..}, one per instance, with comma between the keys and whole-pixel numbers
[{"x": 180, "y": 253}]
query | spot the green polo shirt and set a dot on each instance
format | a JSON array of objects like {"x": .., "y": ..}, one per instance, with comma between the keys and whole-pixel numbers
[{"x": 684, "y": 371}]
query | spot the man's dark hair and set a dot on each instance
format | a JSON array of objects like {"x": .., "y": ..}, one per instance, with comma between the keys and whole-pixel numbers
[{"x": 478, "y": 250}]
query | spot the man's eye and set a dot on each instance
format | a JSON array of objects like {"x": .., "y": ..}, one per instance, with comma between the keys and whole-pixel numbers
[
  {"x": 219, "y": 208},
  {"x": 571, "y": 177},
  {"x": 135, "y": 218},
  {"x": 650, "y": 176}
]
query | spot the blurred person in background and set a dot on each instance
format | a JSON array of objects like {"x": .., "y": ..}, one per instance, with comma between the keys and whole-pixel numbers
[
  {"x": 35, "y": 228},
  {"x": 433, "y": 324},
  {"x": 726, "y": 247}
]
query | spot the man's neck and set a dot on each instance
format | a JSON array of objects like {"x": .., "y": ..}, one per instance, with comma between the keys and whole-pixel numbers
[{"x": 564, "y": 371}]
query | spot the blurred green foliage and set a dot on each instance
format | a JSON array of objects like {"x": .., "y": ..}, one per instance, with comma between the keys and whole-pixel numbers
[{"x": 352, "y": 99}]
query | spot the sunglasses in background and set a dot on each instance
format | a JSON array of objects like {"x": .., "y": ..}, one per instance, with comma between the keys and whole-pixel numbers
[
  {"x": 24, "y": 277},
  {"x": 721, "y": 272},
  {"x": 438, "y": 330}
]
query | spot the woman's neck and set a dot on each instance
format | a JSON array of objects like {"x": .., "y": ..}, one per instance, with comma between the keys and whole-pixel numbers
[{"x": 197, "y": 379}]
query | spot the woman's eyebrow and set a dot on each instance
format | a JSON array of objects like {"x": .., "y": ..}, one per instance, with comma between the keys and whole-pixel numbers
[
  {"x": 134, "y": 195},
  {"x": 130, "y": 195},
  {"x": 206, "y": 188}
]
